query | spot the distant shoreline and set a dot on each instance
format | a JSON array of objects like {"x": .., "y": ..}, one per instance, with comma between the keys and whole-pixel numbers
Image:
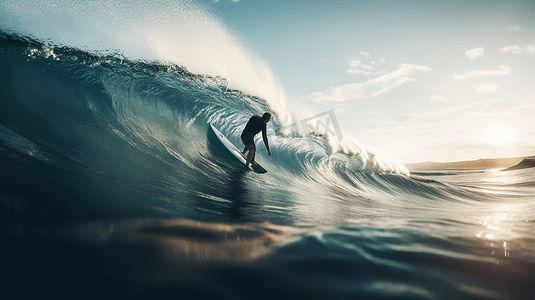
[
  {"x": 492, "y": 163},
  {"x": 528, "y": 162}
]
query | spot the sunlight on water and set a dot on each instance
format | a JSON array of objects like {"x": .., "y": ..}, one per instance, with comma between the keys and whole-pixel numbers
[
  {"x": 498, "y": 177},
  {"x": 505, "y": 230},
  {"x": 498, "y": 225}
]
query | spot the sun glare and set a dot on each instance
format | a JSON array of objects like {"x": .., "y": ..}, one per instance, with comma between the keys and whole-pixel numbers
[{"x": 500, "y": 134}]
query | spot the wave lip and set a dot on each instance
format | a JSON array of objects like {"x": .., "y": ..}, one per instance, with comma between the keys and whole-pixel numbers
[{"x": 179, "y": 32}]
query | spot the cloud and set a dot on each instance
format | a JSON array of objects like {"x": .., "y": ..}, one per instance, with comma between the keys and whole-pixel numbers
[
  {"x": 358, "y": 67},
  {"x": 438, "y": 98},
  {"x": 500, "y": 106},
  {"x": 370, "y": 88},
  {"x": 366, "y": 54},
  {"x": 399, "y": 121},
  {"x": 358, "y": 71},
  {"x": 504, "y": 70},
  {"x": 475, "y": 53},
  {"x": 516, "y": 49},
  {"x": 508, "y": 105},
  {"x": 355, "y": 63},
  {"x": 486, "y": 88},
  {"x": 452, "y": 109},
  {"x": 522, "y": 106},
  {"x": 513, "y": 28}
]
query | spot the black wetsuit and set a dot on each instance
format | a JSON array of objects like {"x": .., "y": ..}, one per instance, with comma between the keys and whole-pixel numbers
[{"x": 254, "y": 126}]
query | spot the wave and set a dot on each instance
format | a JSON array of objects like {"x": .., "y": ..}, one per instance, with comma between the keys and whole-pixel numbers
[
  {"x": 139, "y": 126},
  {"x": 182, "y": 32},
  {"x": 71, "y": 58},
  {"x": 108, "y": 168}
]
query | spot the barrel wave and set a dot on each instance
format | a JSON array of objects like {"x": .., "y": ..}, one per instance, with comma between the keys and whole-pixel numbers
[
  {"x": 109, "y": 168},
  {"x": 145, "y": 124}
]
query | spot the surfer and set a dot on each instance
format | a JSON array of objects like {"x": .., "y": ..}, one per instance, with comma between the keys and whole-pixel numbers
[{"x": 254, "y": 126}]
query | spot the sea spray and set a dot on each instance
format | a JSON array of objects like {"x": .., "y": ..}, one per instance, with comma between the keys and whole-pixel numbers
[
  {"x": 177, "y": 33},
  {"x": 182, "y": 32}
]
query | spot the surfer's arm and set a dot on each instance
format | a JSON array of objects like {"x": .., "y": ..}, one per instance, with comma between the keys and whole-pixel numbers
[{"x": 264, "y": 137}]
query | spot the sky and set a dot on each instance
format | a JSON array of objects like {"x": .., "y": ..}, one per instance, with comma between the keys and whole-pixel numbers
[
  {"x": 415, "y": 80},
  {"x": 412, "y": 80}
]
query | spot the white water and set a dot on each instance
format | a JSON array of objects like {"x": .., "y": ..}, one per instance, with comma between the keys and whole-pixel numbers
[
  {"x": 177, "y": 31},
  {"x": 183, "y": 32}
]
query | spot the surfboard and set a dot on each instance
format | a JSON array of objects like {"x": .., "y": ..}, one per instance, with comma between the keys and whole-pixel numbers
[{"x": 237, "y": 153}]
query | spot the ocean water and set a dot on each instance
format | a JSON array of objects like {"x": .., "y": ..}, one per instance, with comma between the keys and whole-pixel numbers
[{"x": 113, "y": 186}]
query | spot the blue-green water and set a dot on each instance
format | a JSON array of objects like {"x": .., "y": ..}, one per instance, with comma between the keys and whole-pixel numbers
[{"x": 112, "y": 185}]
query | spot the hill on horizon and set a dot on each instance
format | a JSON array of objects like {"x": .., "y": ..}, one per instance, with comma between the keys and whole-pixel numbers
[
  {"x": 489, "y": 163},
  {"x": 528, "y": 162}
]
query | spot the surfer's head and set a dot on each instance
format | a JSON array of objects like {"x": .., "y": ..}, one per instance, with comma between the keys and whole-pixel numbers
[{"x": 266, "y": 116}]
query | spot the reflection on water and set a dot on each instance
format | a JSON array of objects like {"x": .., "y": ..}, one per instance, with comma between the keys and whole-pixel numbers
[
  {"x": 504, "y": 183},
  {"x": 149, "y": 252},
  {"x": 505, "y": 231},
  {"x": 187, "y": 240}
]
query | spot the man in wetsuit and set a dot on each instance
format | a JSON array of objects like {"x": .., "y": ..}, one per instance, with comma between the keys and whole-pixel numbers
[{"x": 254, "y": 126}]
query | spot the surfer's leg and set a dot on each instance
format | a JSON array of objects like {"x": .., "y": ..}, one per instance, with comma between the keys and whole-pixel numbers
[
  {"x": 250, "y": 157},
  {"x": 247, "y": 141}
]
